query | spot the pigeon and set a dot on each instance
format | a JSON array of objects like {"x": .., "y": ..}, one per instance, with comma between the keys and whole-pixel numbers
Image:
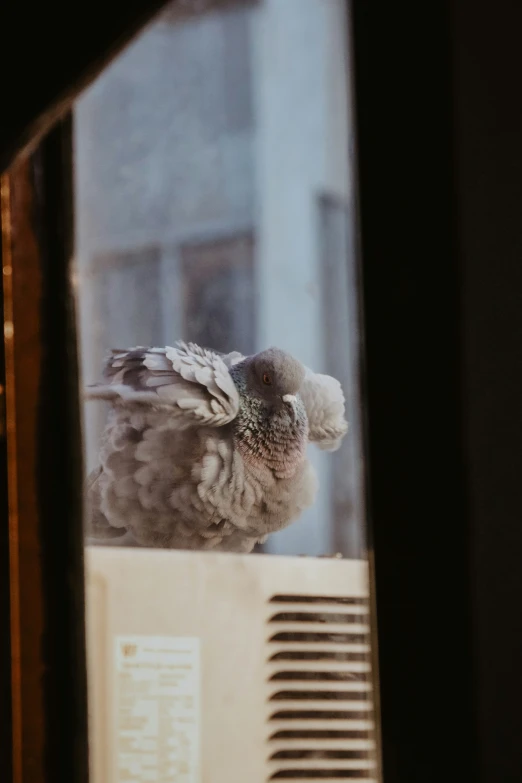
[{"x": 207, "y": 451}]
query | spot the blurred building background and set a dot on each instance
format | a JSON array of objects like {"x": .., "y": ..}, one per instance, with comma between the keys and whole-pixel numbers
[{"x": 214, "y": 202}]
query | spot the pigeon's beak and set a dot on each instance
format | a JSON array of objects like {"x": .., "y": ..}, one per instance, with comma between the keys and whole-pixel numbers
[{"x": 291, "y": 401}]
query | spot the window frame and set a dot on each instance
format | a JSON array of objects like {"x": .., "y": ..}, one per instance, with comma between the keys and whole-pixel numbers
[
  {"x": 440, "y": 165},
  {"x": 439, "y": 161}
]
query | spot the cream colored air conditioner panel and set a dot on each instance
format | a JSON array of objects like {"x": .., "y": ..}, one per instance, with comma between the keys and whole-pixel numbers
[
  {"x": 153, "y": 595},
  {"x": 225, "y": 602}
]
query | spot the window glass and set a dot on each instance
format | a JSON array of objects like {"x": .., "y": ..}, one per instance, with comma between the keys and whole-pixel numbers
[{"x": 214, "y": 190}]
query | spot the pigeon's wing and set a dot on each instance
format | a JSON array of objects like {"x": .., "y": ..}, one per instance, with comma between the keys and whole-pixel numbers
[
  {"x": 324, "y": 402},
  {"x": 193, "y": 383},
  {"x": 230, "y": 359}
]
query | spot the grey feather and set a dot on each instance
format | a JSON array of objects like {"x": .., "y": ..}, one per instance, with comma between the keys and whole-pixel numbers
[
  {"x": 324, "y": 402},
  {"x": 207, "y": 451}
]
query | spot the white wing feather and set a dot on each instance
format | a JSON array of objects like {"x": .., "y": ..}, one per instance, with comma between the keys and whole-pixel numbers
[
  {"x": 192, "y": 383},
  {"x": 324, "y": 402}
]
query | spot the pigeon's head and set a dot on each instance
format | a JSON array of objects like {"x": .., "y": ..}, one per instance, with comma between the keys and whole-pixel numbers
[
  {"x": 271, "y": 425},
  {"x": 274, "y": 376}
]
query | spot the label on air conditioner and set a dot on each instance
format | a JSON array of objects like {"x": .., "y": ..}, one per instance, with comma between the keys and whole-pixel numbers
[{"x": 157, "y": 709}]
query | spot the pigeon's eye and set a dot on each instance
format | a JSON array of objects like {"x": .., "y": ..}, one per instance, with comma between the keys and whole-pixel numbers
[{"x": 267, "y": 380}]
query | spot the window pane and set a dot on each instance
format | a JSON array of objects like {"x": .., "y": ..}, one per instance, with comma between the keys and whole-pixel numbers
[{"x": 215, "y": 205}]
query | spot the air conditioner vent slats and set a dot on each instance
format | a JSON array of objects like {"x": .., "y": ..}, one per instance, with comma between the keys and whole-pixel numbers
[
  {"x": 322, "y": 734},
  {"x": 319, "y": 715},
  {"x": 337, "y": 691},
  {"x": 320, "y": 636},
  {"x": 324, "y": 715},
  {"x": 321, "y": 754},
  {"x": 318, "y": 599},
  {"x": 322, "y": 774},
  {"x": 318, "y": 617},
  {"x": 318, "y": 655},
  {"x": 321, "y": 676},
  {"x": 322, "y": 744},
  {"x": 316, "y": 695}
]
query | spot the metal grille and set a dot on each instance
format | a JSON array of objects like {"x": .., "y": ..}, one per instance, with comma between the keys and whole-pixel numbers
[{"x": 320, "y": 709}]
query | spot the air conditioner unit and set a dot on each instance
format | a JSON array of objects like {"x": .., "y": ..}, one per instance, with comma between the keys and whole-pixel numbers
[{"x": 217, "y": 668}]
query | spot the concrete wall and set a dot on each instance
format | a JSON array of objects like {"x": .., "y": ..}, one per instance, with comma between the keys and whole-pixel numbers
[{"x": 301, "y": 110}]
